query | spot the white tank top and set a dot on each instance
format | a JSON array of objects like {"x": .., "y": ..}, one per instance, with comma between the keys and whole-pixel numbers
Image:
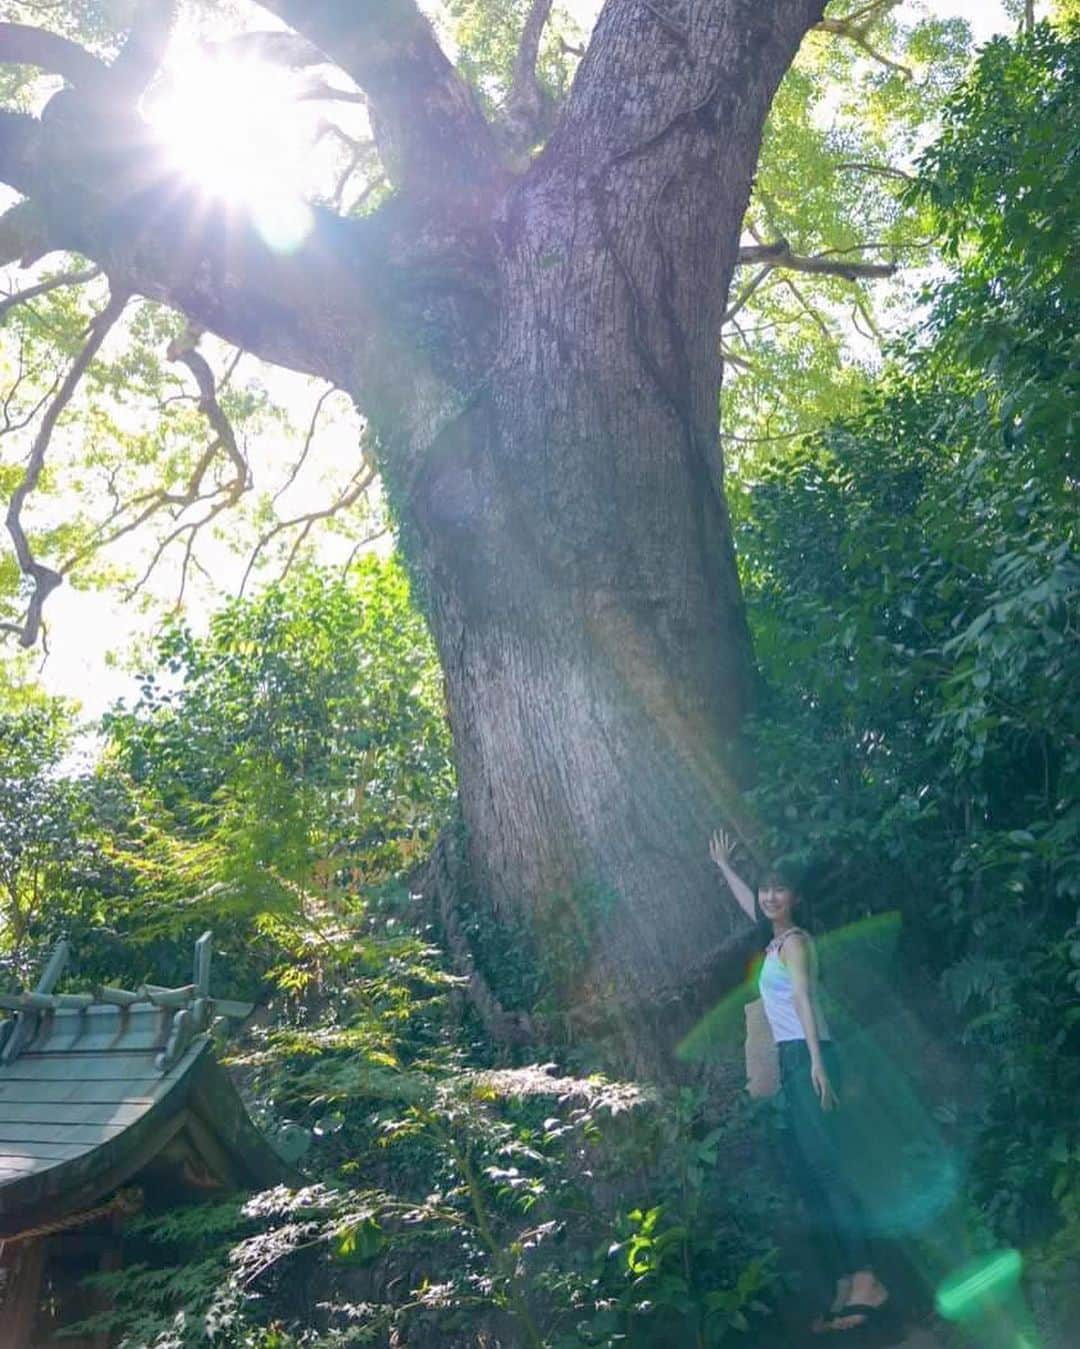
[{"x": 777, "y": 991}]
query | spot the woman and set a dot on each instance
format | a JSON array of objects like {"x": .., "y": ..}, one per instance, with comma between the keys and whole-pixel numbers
[{"x": 809, "y": 1075}]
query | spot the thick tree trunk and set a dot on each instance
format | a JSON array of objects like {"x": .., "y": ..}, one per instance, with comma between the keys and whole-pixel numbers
[
  {"x": 580, "y": 576},
  {"x": 596, "y": 674}
]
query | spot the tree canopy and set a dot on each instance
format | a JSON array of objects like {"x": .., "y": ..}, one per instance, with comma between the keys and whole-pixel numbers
[{"x": 141, "y": 479}]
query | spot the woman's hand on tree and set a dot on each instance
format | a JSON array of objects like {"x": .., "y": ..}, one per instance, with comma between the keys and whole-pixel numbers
[
  {"x": 823, "y": 1087},
  {"x": 721, "y": 846}
]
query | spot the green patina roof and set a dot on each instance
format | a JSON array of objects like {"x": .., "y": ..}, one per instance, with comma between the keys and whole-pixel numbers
[{"x": 91, "y": 1094}]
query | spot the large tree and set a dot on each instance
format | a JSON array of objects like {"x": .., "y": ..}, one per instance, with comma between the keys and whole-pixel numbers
[{"x": 530, "y": 324}]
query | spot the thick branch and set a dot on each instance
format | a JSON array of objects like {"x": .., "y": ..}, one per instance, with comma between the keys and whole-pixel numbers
[
  {"x": 281, "y": 49},
  {"x": 23, "y": 45},
  {"x": 646, "y": 76},
  {"x": 320, "y": 91},
  {"x": 46, "y": 579},
  {"x": 19, "y": 135},
  {"x": 433, "y": 139},
  {"x": 144, "y": 49},
  {"x": 22, "y": 236},
  {"x": 10, "y": 302},
  {"x": 525, "y": 104},
  {"x": 779, "y": 254},
  {"x": 96, "y": 188},
  {"x": 328, "y": 301},
  {"x": 664, "y": 124}
]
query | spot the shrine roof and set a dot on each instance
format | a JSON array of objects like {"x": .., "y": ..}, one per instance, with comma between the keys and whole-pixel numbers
[{"x": 94, "y": 1086}]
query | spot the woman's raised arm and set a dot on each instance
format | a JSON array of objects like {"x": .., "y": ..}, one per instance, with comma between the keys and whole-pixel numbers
[{"x": 721, "y": 846}]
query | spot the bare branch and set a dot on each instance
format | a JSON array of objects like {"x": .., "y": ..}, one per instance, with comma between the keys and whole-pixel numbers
[
  {"x": 779, "y": 254},
  {"x": 730, "y": 358},
  {"x": 361, "y": 544},
  {"x": 23, "y": 45},
  {"x": 525, "y": 103},
  {"x": 763, "y": 440},
  {"x": 875, "y": 334},
  {"x": 356, "y": 145},
  {"x": 147, "y": 504},
  {"x": 807, "y": 308},
  {"x": 10, "y": 302},
  {"x": 191, "y": 528},
  {"x": 189, "y": 560},
  {"x": 10, "y": 394},
  {"x": 308, "y": 439},
  {"x": 869, "y": 13},
  {"x": 185, "y": 353},
  {"x": 228, "y": 493},
  {"x": 350, "y": 494},
  {"x": 46, "y": 579},
  {"x": 856, "y": 26},
  {"x": 230, "y": 370},
  {"x": 357, "y": 149},
  {"x": 885, "y": 170},
  {"x": 878, "y": 246},
  {"x": 150, "y": 503},
  {"x": 747, "y": 292},
  {"x": 368, "y": 191}
]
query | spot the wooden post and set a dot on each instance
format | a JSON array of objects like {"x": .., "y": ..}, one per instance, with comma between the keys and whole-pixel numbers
[
  {"x": 24, "y": 1264},
  {"x": 201, "y": 974}
]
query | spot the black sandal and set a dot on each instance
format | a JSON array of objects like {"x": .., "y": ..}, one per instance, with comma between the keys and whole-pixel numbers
[{"x": 871, "y": 1316}]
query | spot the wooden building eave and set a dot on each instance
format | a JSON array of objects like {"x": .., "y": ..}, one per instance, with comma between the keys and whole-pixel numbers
[{"x": 41, "y": 1179}]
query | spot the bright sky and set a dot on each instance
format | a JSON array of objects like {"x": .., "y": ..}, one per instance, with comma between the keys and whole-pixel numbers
[
  {"x": 87, "y": 629},
  {"x": 986, "y": 17}
]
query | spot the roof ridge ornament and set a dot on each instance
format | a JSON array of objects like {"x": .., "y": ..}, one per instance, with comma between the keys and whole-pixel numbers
[
  {"x": 196, "y": 1008},
  {"x": 26, "y": 1021},
  {"x": 196, "y": 1011}
]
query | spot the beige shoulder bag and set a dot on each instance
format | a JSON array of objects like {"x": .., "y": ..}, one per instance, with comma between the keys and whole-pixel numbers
[{"x": 762, "y": 1056}]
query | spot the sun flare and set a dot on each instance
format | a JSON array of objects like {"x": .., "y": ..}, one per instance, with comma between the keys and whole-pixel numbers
[{"x": 234, "y": 129}]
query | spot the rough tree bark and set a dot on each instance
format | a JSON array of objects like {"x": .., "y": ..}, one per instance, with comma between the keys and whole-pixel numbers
[{"x": 537, "y": 353}]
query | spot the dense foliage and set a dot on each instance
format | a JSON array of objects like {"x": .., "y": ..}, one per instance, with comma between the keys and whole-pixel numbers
[{"x": 914, "y": 583}]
